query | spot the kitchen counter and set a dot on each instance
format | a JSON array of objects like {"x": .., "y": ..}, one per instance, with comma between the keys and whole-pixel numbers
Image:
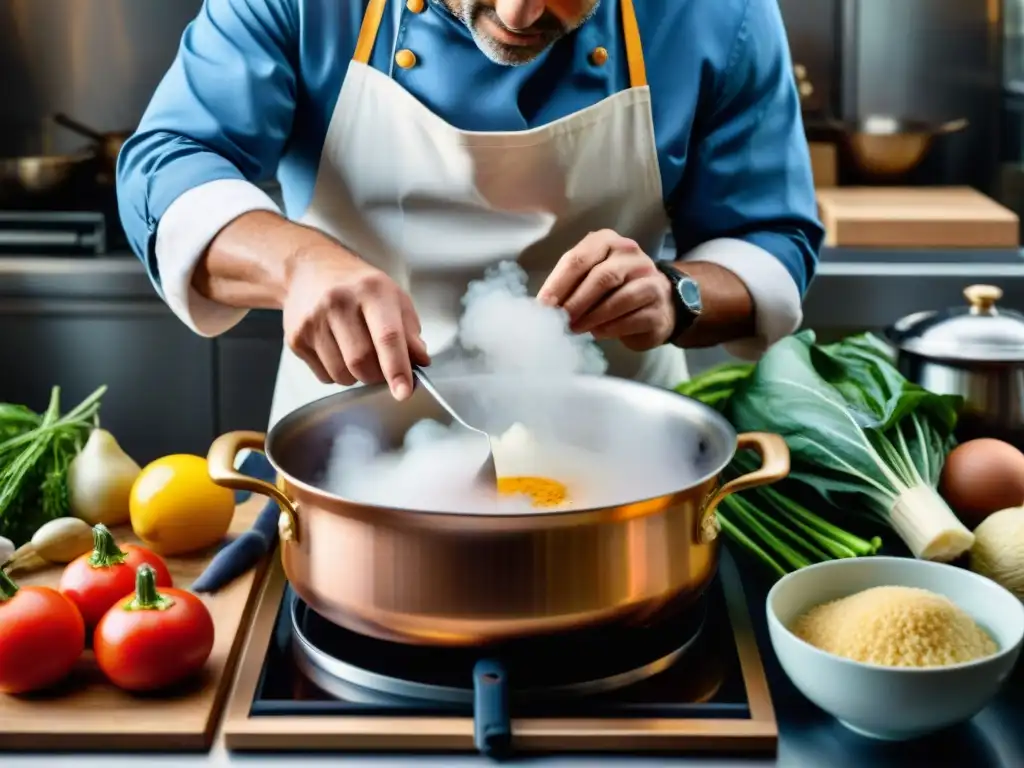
[
  {"x": 853, "y": 290},
  {"x": 808, "y": 737}
]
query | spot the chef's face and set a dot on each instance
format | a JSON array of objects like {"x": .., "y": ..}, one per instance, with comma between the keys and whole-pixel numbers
[{"x": 517, "y": 31}]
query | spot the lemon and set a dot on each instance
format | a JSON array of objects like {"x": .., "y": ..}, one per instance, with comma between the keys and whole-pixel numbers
[{"x": 177, "y": 509}]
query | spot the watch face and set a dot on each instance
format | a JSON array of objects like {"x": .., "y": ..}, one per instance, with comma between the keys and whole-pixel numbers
[{"x": 689, "y": 292}]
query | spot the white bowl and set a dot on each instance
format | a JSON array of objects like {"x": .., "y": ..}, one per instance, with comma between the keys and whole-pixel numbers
[{"x": 894, "y": 703}]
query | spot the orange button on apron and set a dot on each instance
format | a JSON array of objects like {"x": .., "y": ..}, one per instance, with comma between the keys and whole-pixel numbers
[
  {"x": 416, "y": 6},
  {"x": 405, "y": 58},
  {"x": 599, "y": 56}
]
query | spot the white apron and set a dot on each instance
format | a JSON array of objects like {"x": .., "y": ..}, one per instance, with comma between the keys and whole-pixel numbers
[{"x": 434, "y": 207}]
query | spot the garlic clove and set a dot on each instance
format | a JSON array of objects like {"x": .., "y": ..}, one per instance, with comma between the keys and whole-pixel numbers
[{"x": 6, "y": 550}]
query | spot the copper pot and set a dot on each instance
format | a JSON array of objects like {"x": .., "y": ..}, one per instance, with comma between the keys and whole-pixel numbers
[
  {"x": 31, "y": 177},
  {"x": 885, "y": 147},
  {"x": 473, "y": 579}
]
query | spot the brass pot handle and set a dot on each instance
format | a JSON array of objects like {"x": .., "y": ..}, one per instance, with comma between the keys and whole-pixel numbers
[
  {"x": 221, "y": 462},
  {"x": 774, "y": 467}
]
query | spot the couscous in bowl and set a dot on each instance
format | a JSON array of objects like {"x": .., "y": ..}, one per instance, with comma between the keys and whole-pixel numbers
[{"x": 889, "y": 702}]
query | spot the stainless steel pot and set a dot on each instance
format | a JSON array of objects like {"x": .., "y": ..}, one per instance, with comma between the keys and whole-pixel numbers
[
  {"x": 976, "y": 351},
  {"x": 474, "y": 579}
]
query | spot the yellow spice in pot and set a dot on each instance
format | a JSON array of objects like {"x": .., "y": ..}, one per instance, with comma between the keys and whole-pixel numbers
[
  {"x": 541, "y": 491},
  {"x": 896, "y": 627}
]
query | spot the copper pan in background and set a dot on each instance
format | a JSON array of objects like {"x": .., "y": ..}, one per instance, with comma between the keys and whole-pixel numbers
[
  {"x": 27, "y": 178},
  {"x": 883, "y": 147},
  {"x": 451, "y": 579},
  {"x": 107, "y": 144},
  {"x": 40, "y": 177}
]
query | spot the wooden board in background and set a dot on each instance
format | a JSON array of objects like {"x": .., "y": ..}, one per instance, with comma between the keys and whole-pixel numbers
[
  {"x": 915, "y": 217},
  {"x": 88, "y": 713},
  {"x": 824, "y": 164}
]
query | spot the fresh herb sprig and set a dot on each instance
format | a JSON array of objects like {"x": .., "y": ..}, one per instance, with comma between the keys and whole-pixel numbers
[{"x": 35, "y": 452}]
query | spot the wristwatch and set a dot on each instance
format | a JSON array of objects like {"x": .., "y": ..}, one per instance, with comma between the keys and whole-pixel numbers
[{"x": 685, "y": 298}]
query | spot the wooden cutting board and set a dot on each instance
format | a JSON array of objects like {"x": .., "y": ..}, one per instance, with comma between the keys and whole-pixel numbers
[
  {"x": 88, "y": 713},
  {"x": 915, "y": 217},
  {"x": 824, "y": 164}
]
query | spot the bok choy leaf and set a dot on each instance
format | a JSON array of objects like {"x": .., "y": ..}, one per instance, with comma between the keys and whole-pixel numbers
[{"x": 859, "y": 434}]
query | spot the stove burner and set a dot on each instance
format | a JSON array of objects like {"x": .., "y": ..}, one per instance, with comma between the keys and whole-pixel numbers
[
  {"x": 351, "y": 666},
  {"x": 712, "y": 697}
]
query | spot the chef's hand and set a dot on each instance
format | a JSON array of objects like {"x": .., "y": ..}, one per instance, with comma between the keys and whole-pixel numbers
[
  {"x": 350, "y": 322},
  {"x": 610, "y": 288}
]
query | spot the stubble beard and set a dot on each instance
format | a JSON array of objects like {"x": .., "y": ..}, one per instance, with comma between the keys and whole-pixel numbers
[{"x": 470, "y": 12}]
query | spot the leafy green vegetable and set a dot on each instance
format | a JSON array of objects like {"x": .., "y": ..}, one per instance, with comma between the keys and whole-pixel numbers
[
  {"x": 715, "y": 386},
  {"x": 785, "y": 535},
  {"x": 35, "y": 452},
  {"x": 857, "y": 428},
  {"x": 862, "y": 438}
]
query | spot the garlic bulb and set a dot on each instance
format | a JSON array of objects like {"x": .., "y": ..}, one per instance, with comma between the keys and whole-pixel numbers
[
  {"x": 100, "y": 480},
  {"x": 998, "y": 550},
  {"x": 6, "y": 550}
]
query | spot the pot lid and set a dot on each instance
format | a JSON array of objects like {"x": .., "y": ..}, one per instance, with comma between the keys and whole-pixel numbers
[{"x": 976, "y": 332}]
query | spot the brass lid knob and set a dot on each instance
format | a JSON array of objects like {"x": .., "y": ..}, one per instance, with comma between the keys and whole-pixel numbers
[{"x": 982, "y": 298}]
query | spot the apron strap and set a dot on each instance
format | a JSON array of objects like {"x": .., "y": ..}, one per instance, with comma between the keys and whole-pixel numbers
[
  {"x": 368, "y": 31},
  {"x": 634, "y": 48},
  {"x": 630, "y": 31}
]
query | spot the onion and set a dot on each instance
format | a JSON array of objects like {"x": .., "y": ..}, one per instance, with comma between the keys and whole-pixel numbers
[
  {"x": 100, "y": 481},
  {"x": 998, "y": 550}
]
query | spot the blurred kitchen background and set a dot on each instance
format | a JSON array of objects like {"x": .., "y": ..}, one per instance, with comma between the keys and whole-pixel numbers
[{"x": 907, "y": 104}]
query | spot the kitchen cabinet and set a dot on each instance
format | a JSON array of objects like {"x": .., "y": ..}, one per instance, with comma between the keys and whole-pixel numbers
[
  {"x": 813, "y": 32},
  {"x": 80, "y": 323},
  {"x": 158, "y": 373},
  {"x": 246, "y": 369}
]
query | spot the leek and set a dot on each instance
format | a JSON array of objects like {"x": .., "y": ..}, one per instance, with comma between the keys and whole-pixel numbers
[
  {"x": 784, "y": 535},
  {"x": 858, "y": 433}
]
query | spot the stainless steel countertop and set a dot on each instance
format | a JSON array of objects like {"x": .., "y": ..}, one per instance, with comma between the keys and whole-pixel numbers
[{"x": 122, "y": 276}]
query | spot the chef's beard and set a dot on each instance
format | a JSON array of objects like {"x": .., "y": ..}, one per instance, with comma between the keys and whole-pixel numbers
[{"x": 548, "y": 26}]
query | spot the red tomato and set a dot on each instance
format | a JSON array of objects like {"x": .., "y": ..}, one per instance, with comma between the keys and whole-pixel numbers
[
  {"x": 98, "y": 579},
  {"x": 152, "y": 639},
  {"x": 41, "y": 636}
]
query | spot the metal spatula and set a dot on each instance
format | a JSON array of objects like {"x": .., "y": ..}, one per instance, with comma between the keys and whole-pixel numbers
[{"x": 487, "y": 475}]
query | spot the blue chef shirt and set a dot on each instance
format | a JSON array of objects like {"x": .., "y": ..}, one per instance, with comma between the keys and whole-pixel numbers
[{"x": 255, "y": 82}]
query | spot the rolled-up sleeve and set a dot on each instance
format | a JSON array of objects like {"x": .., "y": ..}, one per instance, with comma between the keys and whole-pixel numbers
[
  {"x": 217, "y": 123},
  {"x": 747, "y": 200}
]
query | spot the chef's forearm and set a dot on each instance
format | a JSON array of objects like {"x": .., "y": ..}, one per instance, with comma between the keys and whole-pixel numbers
[
  {"x": 728, "y": 312},
  {"x": 248, "y": 263}
]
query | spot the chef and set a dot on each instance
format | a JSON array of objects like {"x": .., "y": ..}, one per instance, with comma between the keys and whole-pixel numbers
[{"x": 418, "y": 142}]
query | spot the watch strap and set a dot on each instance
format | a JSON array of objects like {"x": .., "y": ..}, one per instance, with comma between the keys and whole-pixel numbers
[{"x": 685, "y": 315}]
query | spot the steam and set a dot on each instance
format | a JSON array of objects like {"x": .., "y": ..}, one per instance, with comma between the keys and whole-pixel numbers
[
  {"x": 504, "y": 330},
  {"x": 516, "y": 334}
]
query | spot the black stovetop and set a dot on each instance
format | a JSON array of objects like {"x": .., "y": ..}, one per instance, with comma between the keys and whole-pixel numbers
[{"x": 706, "y": 682}]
